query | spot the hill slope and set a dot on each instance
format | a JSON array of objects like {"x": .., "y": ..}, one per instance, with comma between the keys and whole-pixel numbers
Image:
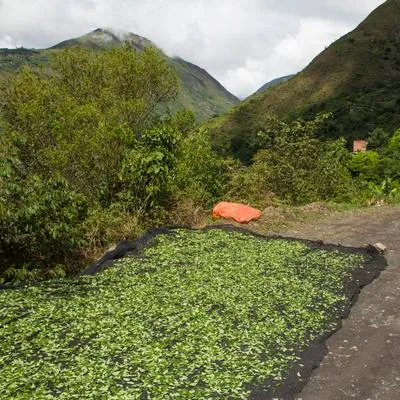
[
  {"x": 200, "y": 92},
  {"x": 357, "y": 78},
  {"x": 273, "y": 83}
]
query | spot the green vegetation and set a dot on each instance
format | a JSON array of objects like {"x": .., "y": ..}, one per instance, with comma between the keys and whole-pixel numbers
[
  {"x": 11, "y": 60},
  {"x": 94, "y": 148},
  {"x": 90, "y": 154},
  {"x": 76, "y": 153},
  {"x": 357, "y": 79},
  {"x": 293, "y": 165},
  {"x": 200, "y": 315},
  {"x": 379, "y": 169},
  {"x": 199, "y": 92},
  {"x": 274, "y": 82}
]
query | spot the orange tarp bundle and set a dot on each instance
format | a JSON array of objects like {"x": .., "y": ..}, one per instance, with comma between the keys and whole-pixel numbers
[{"x": 238, "y": 212}]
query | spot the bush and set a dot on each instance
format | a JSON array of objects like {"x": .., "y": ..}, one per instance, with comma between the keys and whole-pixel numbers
[
  {"x": 172, "y": 170},
  {"x": 295, "y": 166},
  {"x": 200, "y": 173},
  {"x": 82, "y": 128},
  {"x": 105, "y": 226},
  {"x": 367, "y": 166},
  {"x": 40, "y": 228},
  {"x": 147, "y": 171},
  {"x": 251, "y": 184},
  {"x": 391, "y": 158}
]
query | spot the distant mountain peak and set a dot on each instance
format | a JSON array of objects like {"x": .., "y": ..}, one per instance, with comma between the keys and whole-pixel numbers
[
  {"x": 103, "y": 35},
  {"x": 199, "y": 91},
  {"x": 107, "y": 37},
  {"x": 121, "y": 35}
]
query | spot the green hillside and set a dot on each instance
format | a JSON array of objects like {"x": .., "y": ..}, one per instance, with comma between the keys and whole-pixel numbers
[
  {"x": 273, "y": 83},
  {"x": 357, "y": 78},
  {"x": 200, "y": 92},
  {"x": 13, "y": 59}
]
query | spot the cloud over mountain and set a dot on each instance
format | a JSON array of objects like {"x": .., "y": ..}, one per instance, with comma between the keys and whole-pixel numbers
[{"x": 243, "y": 43}]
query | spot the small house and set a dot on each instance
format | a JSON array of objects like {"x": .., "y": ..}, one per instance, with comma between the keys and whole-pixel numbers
[{"x": 359, "y": 146}]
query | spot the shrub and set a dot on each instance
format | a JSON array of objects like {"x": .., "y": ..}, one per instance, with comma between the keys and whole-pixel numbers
[
  {"x": 391, "y": 159},
  {"x": 147, "y": 171},
  {"x": 200, "y": 173},
  {"x": 105, "y": 226},
  {"x": 251, "y": 184},
  {"x": 366, "y": 166},
  {"x": 296, "y": 166},
  {"x": 82, "y": 128},
  {"x": 40, "y": 227}
]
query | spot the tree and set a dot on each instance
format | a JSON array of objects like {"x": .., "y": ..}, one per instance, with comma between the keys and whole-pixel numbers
[
  {"x": 378, "y": 139},
  {"x": 80, "y": 120},
  {"x": 299, "y": 166},
  {"x": 65, "y": 136},
  {"x": 391, "y": 159},
  {"x": 367, "y": 166},
  {"x": 293, "y": 164},
  {"x": 277, "y": 134}
]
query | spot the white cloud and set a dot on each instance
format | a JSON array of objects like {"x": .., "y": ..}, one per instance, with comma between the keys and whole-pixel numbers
[
  {"x": 6, "y": 42},
  {"x": 243, "y": 43},
  {"x": 289, "y": 55}
]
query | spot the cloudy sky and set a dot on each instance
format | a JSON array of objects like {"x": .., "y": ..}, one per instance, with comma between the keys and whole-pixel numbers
[{"x": 243, "y": 43}]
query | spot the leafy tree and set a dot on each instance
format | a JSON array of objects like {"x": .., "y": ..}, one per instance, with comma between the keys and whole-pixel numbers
[
  {"x": 378, "y": 139},
  {"x": 66, "y": 137},
  {"x": 276, "y": 133},
  {"x": 184, "y": 121},
  {"x": 297, "y": 165},
  {"x": 147, "y": 171},
  {"x": 40, "y": 233},
  {"x": 367, "y": 166},
  {"x": 81, "y": 119},
  {"x": 391, "y": 159},
  {"x": 393, "y": 147},
  {"x": 200, "y": 173}
]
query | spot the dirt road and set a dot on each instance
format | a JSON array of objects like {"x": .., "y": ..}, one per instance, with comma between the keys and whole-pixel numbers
[{"x": 363, "y": 362}]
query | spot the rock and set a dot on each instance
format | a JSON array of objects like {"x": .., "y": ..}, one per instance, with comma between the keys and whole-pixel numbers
[{"x": 380, "y": 247}]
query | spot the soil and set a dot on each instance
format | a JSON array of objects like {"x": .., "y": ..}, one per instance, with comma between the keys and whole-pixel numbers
[{"x": 363, "y": 359}]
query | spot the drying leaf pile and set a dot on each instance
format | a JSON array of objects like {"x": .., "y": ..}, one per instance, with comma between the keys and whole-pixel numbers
[{"x": 197, "y": 315}]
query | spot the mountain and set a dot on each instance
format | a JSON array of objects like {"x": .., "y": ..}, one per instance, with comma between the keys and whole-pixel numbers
[
  {"x": 274, "y": 83},
  {"x": 106, "y": 38},
  {"x": 199, "y": 92},
  {"x": 357, "y": 78}
]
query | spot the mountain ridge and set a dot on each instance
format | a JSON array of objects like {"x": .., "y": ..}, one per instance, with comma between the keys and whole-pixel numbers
[
  {"x": 199, "y": 91},
  {"x": 105, "y": 37},
  {"x": 274, "y": 82},
  {"x": 357, "y": 79}
]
